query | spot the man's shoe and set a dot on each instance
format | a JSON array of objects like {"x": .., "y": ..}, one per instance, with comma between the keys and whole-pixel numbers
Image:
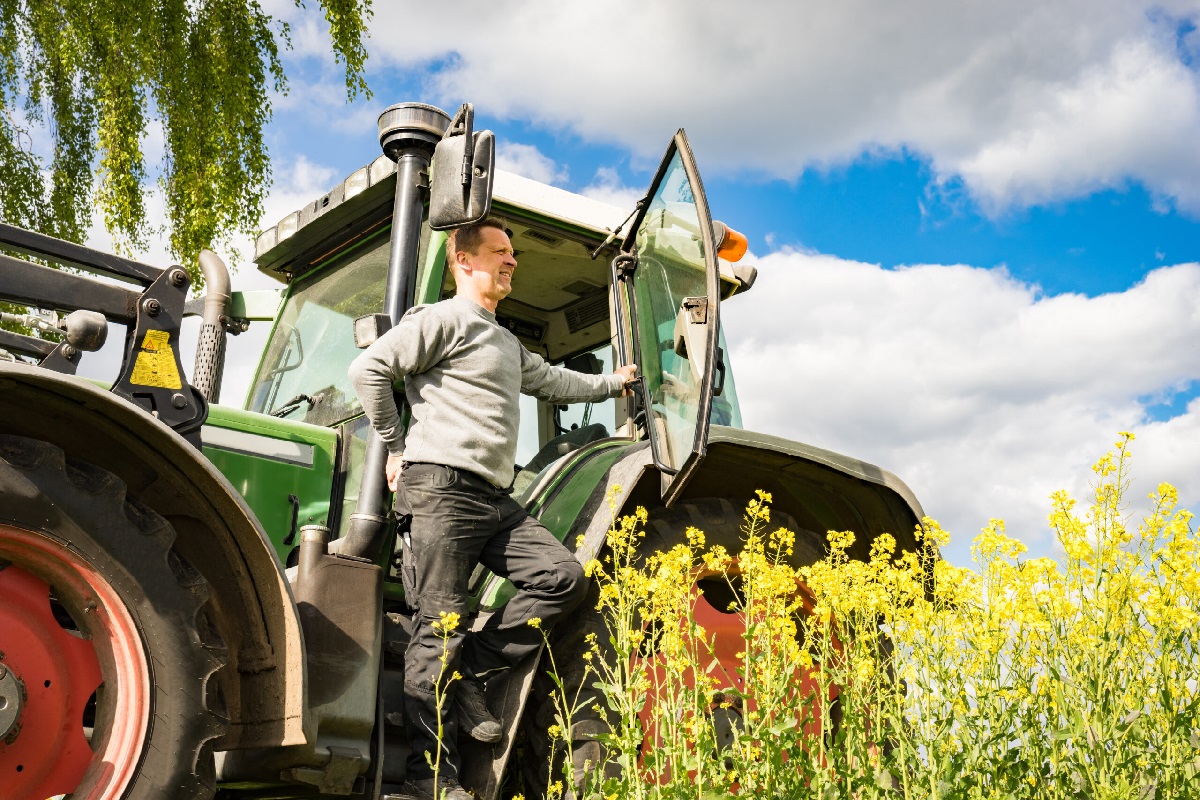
[
  {"x": 473, "y": 714},
  {"x": 447, "y": 789}
]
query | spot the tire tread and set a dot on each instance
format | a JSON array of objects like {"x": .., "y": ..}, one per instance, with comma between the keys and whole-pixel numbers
[{"x": 86, "y": 508}]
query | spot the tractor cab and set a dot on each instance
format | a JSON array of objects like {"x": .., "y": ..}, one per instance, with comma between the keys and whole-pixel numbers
[{"x": 581, "y": 298}]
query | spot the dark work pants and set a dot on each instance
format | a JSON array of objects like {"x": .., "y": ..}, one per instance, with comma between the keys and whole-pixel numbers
[{"x": 458, "y": 520}]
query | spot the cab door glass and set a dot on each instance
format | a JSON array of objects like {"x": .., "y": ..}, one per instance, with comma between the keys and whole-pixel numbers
[{"x": 675, "y": 315}]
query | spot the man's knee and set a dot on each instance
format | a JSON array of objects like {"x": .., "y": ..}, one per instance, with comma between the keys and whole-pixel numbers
[
  {"x": 559, "y": 585},
  {"x": 573, "y": 583},
  {"x": 437, "y": 606}
]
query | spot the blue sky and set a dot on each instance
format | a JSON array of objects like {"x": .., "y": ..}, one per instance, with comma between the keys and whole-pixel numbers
[
  {"x": 882, "y": 210},
  {"x": 977, "y": 224}
]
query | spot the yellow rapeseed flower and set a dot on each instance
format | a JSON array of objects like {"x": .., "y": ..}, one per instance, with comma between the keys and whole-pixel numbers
[{"x": 446, "y": 622}]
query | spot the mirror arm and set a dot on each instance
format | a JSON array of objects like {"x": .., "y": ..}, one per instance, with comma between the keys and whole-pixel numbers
[{"x": 463, "y": 125}]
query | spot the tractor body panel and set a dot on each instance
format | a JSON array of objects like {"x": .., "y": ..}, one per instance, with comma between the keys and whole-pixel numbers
[{"x": 284, "y": 470}]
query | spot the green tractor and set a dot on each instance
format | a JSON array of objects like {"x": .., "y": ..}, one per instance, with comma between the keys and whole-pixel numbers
[{"x": 201, "y": 600}]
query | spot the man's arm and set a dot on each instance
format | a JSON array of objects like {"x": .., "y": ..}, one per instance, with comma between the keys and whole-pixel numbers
[
  {"x": 374, "y": 375},
  {"x": 375, "y": 391},
  {"x": 409, "y": 348},
  {"x": 561, "y": 385}
]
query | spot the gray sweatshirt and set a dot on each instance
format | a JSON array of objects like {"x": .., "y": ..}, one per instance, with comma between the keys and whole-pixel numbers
[{"x": 463, "y": 375}]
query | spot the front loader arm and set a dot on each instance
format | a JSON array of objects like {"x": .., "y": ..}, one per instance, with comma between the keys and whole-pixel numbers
[{"x": 149, "y": 301}]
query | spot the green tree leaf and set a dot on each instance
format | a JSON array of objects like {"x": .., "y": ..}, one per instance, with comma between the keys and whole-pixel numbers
[{"x": 90, "y": 77}]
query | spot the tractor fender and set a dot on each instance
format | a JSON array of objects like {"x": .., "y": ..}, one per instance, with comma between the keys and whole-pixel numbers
[
  {"x": 263, "y": 685},
  {"x": 819, "y": 489}
]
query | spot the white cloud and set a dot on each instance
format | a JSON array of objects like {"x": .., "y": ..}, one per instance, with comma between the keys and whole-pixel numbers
[
  {"x": 606, "y": 187},
  {"x": 1027, "y": 101},
  {"x": 320, "y": 105},
  {"x": 1136, "y": 116},
  {"x": 980, "y": 392},
  {"x": 529, "y": 162},
  {"x": 316, "y": 88}
]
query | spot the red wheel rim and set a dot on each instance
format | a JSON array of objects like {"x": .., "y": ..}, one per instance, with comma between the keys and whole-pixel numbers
[
  {"x": 47, "y": 751},
  {"x": 725, "y": 628}
]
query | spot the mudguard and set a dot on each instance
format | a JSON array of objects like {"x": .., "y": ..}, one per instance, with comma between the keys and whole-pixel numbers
[
  {"x": 822, "y": 490},
  {"x": 251, "y": 606}
]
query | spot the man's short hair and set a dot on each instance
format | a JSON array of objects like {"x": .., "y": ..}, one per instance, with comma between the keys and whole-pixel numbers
[{"x": 470, "y": 237}]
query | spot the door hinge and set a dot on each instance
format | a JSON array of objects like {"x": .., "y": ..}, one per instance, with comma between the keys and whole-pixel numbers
[{"x": 624, "y": 265}]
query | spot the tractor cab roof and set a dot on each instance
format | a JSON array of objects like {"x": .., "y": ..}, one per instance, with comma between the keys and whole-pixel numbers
[
  {"x": 559, "y": 306},
  {"x": 362, "y": 203}
]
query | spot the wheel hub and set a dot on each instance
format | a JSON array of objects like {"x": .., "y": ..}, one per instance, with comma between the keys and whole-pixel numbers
[{"x": 11, "y": 691}]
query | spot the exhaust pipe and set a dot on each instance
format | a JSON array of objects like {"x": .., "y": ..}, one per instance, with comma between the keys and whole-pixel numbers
[
  {"x": 210, "y": 350},
  {"x": 408, "y": 134}
]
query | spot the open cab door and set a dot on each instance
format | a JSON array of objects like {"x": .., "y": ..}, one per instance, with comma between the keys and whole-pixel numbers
[{"x": 667, "y": 274}]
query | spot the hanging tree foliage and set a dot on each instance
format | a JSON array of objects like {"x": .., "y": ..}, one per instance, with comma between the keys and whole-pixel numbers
[{"x": 90, "y": 76}]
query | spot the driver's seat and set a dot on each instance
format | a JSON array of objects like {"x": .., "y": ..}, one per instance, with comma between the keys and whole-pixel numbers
[{"x": 556, "y": 448}]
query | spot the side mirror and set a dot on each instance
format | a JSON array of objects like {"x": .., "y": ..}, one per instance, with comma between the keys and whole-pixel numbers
[
  {"x": 462, "y": 173},
  {"x": 368, "y": 329}
]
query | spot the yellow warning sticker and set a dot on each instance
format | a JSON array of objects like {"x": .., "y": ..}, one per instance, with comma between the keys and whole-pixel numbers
[{"x": 155, "y": 363}]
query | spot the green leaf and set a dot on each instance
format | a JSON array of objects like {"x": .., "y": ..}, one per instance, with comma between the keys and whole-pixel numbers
[{"x": 94, "y": 76}]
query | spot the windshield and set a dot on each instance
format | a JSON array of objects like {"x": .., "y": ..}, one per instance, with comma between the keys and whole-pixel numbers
[{"x": 303, "y": 375}]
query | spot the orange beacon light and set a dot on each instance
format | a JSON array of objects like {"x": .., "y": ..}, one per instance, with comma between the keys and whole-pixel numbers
[{"x": 731, "y": 244}]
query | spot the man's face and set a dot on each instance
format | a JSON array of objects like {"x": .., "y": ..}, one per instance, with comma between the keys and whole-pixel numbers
[{"x": 491, "y": 266}]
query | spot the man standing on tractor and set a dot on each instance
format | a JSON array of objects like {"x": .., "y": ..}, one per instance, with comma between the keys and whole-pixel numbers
[{"x": 453, "y": 471}]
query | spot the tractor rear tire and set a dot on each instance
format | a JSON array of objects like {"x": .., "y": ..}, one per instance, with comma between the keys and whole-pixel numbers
[
  {"x": 721, "y": 523},
  {"x": 104, "y": 638}
]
